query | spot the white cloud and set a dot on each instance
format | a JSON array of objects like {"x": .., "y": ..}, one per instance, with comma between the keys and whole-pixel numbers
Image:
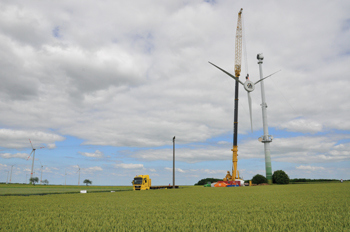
[
  {"x": 97, "y": 154},
  {"x": 153, "y": 170},
  {"x": 3, "y": 167},
  {"x": 302, "y": 125},
  {"x": 129, "y": 166},
  {"x": 16, "y": 155},
  {"x": 20, "y": 138},
  {"x": 309, "y": 168},
  {"x": 91, "y": 169},
  {"x": 176, "y": 169}
]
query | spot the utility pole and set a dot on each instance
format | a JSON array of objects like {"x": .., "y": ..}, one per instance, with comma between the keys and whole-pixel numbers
[
  {"x": 11, "y": 173},
  {"x": 266, "y": 139},
  {"x": 174, "y": 162}
]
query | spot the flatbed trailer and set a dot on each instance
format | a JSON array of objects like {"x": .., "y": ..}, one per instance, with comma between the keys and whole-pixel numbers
[
  {"x": 143, "y": 182},
  {"x": 164, "y": 187}
]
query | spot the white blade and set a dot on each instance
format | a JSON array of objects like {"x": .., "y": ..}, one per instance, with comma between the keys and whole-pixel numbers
[
  {"x": 266, "y": 77},
  {"x": 30, "y": 154},
  {"x": 250, "y": 111},
  {"x": 31, "y": 144},
  {"x": 227, "y": 73}
]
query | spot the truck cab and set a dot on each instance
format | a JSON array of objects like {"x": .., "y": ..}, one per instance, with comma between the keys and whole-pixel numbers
[{"x": 141, "y": 182}]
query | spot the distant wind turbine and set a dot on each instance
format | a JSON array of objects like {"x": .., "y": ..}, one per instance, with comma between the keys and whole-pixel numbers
[
  {"x": 79, "y": 175},
  {"x": 11, "y": 173},
  {"x": 41, "y": 167},
  {"x": 33, "y": 152}
]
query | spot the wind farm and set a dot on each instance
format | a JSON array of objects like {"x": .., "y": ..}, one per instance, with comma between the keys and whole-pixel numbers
[{"x": 93, "y": 96}]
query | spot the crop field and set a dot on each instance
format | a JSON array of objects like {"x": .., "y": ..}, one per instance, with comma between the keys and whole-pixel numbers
[
  {"x": 24, "y": 189},
  {"x": 315, "y": 207}
]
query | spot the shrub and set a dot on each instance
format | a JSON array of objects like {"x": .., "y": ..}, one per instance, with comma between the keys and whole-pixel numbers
[
  {"x": 280, "y": 177},
  {"x": 259, "y": 179},
  {"x": 206, "y": 180}
]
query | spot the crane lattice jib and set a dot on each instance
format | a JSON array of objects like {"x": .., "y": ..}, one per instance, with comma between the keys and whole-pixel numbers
[{"x": 238, "y": 47}]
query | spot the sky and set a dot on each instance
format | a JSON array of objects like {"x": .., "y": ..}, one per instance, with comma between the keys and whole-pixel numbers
[{"x": 104, "y": 86}]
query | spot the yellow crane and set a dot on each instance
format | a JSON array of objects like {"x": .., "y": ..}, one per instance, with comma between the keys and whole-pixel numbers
[{"x": 238, "y": 61}]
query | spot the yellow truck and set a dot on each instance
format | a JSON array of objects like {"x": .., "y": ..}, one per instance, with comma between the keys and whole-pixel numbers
[{"x": 143, "y": 182}]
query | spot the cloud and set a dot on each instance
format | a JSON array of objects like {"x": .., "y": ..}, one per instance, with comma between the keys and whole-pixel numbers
[
  {"x": 16, "y": 155},
  {"x": 90, "y": 170},
  {"x": 129, "y": 166},
  {"x": 3, "y": 166},
  {"x": 97, "y": 154},
  {"x": 300, "y": 149},
  {"x": 302, "y": 125},
  {"x": 309, "y": 168},
  {"x": 10, "y": 138}
]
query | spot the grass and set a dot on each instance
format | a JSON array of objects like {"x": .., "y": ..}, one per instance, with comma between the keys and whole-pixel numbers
[
  {"x": 26, "y": 189},
  {"x": 316, "y": 207}
]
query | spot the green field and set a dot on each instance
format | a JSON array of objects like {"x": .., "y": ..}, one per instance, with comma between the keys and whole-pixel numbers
[
  {"x": 26, "y": 189},
  {"x": 316, "y": 207}
]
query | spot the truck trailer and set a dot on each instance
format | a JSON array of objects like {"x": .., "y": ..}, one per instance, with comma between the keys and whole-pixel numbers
[{"x": 143, "y": 182}]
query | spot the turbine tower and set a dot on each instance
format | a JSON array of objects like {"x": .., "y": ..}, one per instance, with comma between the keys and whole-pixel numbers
[
  {"x": 79, "y": 175},
  {"x": 266, "y": 139},
  {"x": 11, "y": 173},
  {"x": 41, "y": 167},
  {"x": 7, "y": 179}
]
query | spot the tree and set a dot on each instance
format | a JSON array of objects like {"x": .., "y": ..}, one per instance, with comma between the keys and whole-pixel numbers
[
  {"x": 86, "y": 181},
  {"x": 259, "y": 179},
  {"x": 206, "y": 180},
  {"x": 46, "y": 182},
  {"x": 280, "y": 177},
  {"x": 34, "y": 180}
]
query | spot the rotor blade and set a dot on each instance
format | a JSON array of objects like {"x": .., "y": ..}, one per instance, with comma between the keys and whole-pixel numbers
[
  {"x": 31, "y": 143},
  {"x": 250, "y": 111},
  {"x": 30, "y": 154},
  {"x": 227, "y": 73},
  {"x": 266, "y": 77}
]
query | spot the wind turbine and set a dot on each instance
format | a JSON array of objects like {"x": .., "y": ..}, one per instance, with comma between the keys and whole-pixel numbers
[
  {"x": 7, "y": 179},
  {"x": 79, "y": 175},
  {"x": 33, "y": 152},
  {"x": 249, "y": 86},
  {"x": 11, "y": 173},
  {"x": 65, "y": 177},
  {"x": 41, "y": 167}
]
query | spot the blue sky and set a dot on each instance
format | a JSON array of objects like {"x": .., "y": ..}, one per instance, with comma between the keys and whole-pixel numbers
[{"x": 105, "y": 86}]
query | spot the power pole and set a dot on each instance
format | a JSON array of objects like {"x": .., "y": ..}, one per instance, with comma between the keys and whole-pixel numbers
[
  {"x": 174, "y": 162},
  {"x": 266, "y": 139}
]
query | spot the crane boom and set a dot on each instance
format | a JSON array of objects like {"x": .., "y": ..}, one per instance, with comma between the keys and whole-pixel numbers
[
  {"x": 238, "y": 45},
  {"x": 238, "y": 62}
]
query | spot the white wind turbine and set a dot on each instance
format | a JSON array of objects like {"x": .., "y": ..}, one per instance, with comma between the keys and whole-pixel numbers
[
  {"x": 11, "y": 173},
  {"x": 249, "y": 86},
  {"x": 79, "y": 175},
  {"x": 33, "y": 152},
  {"x": 41, "y": 167},
  {"x": 7, "y": 179}
]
